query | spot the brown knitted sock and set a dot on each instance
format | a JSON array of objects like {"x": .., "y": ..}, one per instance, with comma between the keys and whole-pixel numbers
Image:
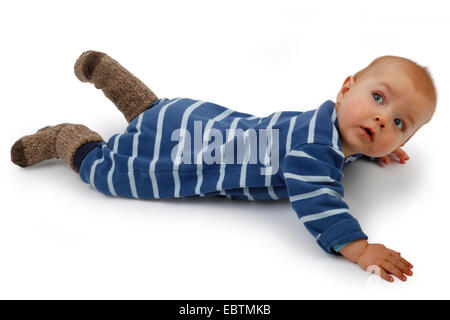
[
  {"x": 70, "y": 138},
  {"x": 60, "y": 141},
  {"x": 32, "y": 149},
  {"x": 127, "y": 92}
]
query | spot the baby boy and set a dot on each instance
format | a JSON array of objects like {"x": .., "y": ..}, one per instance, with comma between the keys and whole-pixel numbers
[{"x": 189, "y": 148}]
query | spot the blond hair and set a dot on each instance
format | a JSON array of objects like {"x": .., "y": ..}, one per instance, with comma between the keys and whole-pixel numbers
[{"x": 419, "y": 75}]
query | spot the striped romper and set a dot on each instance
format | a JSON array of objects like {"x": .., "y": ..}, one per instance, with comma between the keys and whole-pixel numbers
[{"x": 189, "y": 148}]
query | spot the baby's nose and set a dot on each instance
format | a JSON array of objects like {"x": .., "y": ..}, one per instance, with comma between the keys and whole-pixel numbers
[{"x": 380, "y": 121}]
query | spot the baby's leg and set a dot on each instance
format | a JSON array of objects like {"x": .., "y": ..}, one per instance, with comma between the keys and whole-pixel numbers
[
  {"x": 127, "y": 92},
  {"x": 60, "y": 141}
]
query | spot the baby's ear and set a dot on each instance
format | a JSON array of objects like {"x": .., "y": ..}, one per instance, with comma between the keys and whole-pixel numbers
[{"x": 348, "y": 83}]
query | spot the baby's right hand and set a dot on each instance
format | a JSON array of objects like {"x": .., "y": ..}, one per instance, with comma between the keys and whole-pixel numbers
[
  {"x": 399, "y": 153},
  {"x": 388, "y": 261}
]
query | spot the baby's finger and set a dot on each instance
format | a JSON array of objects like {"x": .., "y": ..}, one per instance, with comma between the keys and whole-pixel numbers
[
  {"x": 405, "y": 155},
  {"x": 391, "y": 268},
  {"x": 397, "y": 261},
  {"x": 381, "y": 272},
  {"x": 393, "y": 252},
  {"x": 384, "y": 160},
  {"x": 401, "y": 155},
  {"x": 401, "y": 158},
  {"x": 406, "y": 262}
]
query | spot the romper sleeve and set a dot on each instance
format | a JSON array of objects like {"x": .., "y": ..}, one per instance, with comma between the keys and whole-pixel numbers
[
  {"x": 312, "y": 173},
  {"x": 355, "y": 157}
]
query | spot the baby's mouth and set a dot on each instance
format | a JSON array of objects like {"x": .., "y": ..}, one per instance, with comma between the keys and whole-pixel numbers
[{"x": 368, "y": 133}]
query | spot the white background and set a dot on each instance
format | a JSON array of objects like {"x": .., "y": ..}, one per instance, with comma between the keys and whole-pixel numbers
[{"x": 61, "y": 239}]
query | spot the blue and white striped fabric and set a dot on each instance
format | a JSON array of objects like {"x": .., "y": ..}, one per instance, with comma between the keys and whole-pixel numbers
[{"x": 150, "y": 160}]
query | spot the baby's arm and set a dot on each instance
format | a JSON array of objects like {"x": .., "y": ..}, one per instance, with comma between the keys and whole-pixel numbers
[
  {"x": 312, "y": 176},
  {"x": 316, "y": 195},
  {"x": 369, "y": 254}
]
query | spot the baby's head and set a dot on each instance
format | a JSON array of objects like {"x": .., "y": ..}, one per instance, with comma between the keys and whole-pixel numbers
[{"x": 383, "y": 105}]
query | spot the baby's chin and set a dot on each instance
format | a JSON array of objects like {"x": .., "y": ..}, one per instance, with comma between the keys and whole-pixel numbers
[{"x": 368, "y": 149}]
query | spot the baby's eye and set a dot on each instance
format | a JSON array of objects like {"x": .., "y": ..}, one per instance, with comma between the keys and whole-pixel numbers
[
  {"x": 378, "y": 97},
  {"x": 398, "y": 123}
]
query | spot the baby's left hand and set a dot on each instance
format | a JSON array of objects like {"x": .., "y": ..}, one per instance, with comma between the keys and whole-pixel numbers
[{"x": 400, "y": 153}]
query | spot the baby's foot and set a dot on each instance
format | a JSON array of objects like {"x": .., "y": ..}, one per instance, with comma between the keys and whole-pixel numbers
[
  {"x": 86, "y": 64},
  {"x": 60, "y": 141},
  {"x": 130, "y": 95},
  {"x": 32, "y": 149}
]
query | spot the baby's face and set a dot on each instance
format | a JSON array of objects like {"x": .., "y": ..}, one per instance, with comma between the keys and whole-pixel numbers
[{"x": 380, "y": 112}]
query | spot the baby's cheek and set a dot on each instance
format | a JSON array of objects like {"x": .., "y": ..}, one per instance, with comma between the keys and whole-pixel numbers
[{"x": 353, "y": 112}]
